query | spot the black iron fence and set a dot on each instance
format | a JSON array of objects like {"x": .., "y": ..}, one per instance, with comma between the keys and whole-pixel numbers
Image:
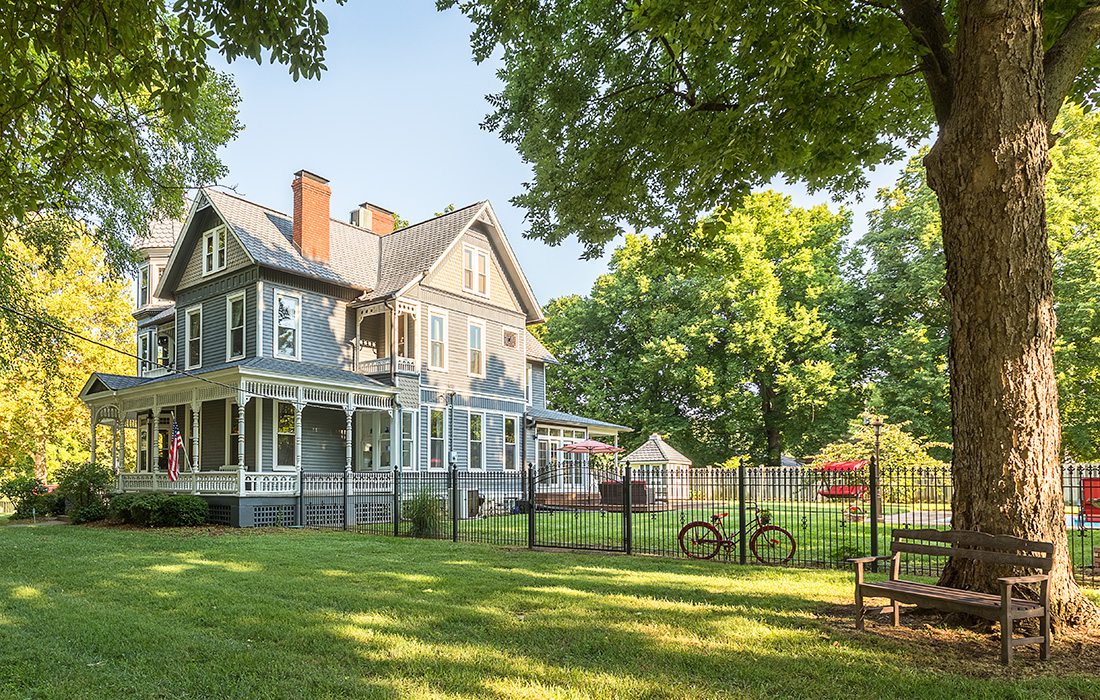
[{"x": 798, "y": 516}]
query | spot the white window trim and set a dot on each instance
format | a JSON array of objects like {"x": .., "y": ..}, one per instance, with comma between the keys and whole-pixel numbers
[
  {"x": 147, "y": 269},
  {"x": 428, "y": 433},
  {"x": 187, "y": 336},
  {"x": 209, "y": 269},
  {"x": 505, "y": 417},
  {"x": 275, "y": 466},
  {"x": 528, "y": 375},
  {"x": 441, "y": 313},
  {"x": 470, "y": 440},
  {"x": 275, "y": 326},
  {"x": 414, "y": 437},
  {"x": 147, "y": 357},
  {"x": 471, "y": 323},
  {"x": 229, "y": 325},
  {"x": 479, "y": 254}
]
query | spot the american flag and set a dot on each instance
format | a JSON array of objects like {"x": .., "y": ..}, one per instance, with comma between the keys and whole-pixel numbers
[{"x": 175, "y": 447}]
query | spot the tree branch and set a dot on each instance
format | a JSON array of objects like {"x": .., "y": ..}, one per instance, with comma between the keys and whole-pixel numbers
[
  {"x": 1067, "y": 56},
  {"x": 924, "y": 19}
]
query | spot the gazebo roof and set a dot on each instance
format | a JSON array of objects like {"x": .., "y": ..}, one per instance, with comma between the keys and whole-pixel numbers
[{"x": 656, "y": 450}]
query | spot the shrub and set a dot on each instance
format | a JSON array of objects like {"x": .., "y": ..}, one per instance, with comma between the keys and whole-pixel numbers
[
  {"x": 159, "y": 509},
  {"x": 424, "y": 513},
  {"x": 28, "y": 494},
  {"x": 84, "y": 484},
  {"x": 89, "y": 513},
  {"x": 52, "y": 503}
]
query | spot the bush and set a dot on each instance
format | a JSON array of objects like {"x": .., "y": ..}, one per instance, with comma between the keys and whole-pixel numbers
[
  {"x": 89, "y": 513},
  {"x": 29, "y": 496},
  {"x": 84, "y": 485},
  {"x": 52, "y": 503},
  {"x": 159, "y": 509},
  {"x": 424, "y": 513}
]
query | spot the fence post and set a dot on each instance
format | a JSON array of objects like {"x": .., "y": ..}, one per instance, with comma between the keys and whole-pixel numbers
[
  {"x": 347, "y": 495},
  {"x": 396, "y": 502},
  {"x": 454, "y": 502},
  {"x": 874, "y": 509},
  {"x": 628, "y": 508},
  {"x": 301, "y": 514},
  {"x": 742, "y": 554},
  {"x": 530, "y": 506}
]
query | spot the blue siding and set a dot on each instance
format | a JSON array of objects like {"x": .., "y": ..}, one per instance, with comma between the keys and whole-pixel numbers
[
  {"x": 538, "y": 384},
  {"x": 326, "y": 326},
  {"x": 212, "y": 298}
]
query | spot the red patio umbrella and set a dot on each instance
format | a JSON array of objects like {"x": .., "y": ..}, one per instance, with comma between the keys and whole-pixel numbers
[
  {"x": 854, "y": 465},
  {"x": 591, "y": 447}
]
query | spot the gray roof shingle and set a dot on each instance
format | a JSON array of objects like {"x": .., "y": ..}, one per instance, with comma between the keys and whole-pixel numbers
[
  {"x": 409, "y": 252},
  {"x": 563, "y": 418},
  {"x": 537, "y": 351},
  {"x": 655, "y": 449}
]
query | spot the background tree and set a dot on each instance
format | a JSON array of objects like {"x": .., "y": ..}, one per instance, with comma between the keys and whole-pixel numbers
[
  {"x": 41, "y": 416},
  {"x": 109, "y": 110},
  {"x": 649, "y": 111},
  {"x": 723, "y": 339}
]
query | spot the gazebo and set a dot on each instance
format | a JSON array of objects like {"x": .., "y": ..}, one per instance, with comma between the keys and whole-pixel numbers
[{"x": 662, "y": 467}]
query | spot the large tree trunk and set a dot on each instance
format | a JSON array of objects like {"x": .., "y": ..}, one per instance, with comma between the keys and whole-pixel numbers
[
  {"x": 772, "y": 433},
  {"x": 988, "y": 169}
]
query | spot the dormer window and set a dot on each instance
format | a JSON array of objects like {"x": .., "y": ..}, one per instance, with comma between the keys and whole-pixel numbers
[
  {"x": 475, "y": 270},
  {"x": 143, "y": 285},
  {"x": 213, "y": 250}
]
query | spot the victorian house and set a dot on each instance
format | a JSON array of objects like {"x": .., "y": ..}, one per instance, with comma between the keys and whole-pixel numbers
[{"x": 281, "y": 344}]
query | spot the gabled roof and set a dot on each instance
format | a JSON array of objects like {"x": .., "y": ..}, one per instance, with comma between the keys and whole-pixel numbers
[
  {"x": 379, "y": 266},
  {"x": 655, "y": 449},
  {"x": 537, "y": 351}
]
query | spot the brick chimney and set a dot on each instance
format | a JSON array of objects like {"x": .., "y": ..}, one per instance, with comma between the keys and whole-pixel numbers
[
  {"x": 311, "y": 215},
  {"x": 373, "y": 218}
]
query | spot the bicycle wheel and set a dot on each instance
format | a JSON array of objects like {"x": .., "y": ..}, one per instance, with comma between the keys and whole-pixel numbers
[
  {"x": 772, "y": 545},
  {"x": 700, "y": 540}
]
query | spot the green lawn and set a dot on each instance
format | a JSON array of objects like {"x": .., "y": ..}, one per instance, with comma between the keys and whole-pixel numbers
[{"x": 106, "y": 613}]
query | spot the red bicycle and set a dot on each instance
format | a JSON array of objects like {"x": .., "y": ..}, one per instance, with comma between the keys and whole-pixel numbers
[{"x": 770, "y": 544}]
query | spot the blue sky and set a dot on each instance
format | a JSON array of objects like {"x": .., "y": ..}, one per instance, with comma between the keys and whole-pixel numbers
[{"x": 395, "y": 120}]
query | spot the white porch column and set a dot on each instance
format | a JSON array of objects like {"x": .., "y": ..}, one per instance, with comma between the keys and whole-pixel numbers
[
  {"x": 298, "y": 408},
  {"x": 93, "y": 424},
  {"x": 114, "y": 447},
  {"x": 242, "y": 400},
  {"x": 395, "y": 435},
  {"x": 349, "y": 412},
  {"x": 195, "y": 408}
]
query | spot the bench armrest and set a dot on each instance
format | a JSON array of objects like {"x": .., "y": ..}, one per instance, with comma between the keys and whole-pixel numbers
[
  {"x": 868, "y": 560},
  {"x": 1012, "y": 580}
]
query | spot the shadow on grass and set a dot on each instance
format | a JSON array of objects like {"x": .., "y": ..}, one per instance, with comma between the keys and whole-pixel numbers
[{"x": 291, "y": 614}]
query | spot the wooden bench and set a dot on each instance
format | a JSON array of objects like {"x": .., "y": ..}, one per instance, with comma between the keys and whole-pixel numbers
[{"x": 964, "y": 544}]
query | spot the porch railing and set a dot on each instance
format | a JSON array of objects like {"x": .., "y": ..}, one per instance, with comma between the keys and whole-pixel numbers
[
  {"x": 213, "y": 483},
  {"x": 381, "y": 365}
]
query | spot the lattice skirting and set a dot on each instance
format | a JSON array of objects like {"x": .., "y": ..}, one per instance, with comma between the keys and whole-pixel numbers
[
  {"x": 221, "y": 514},
  {"x": 272, "y": 515}
]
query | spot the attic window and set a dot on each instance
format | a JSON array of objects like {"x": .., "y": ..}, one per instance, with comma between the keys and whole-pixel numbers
[
  {"x": 475, "y": 270},
  {"x": 213, "y": 250}
]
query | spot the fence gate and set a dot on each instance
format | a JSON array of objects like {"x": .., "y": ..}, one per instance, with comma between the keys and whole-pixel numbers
[{"x": 580, "y": 506}]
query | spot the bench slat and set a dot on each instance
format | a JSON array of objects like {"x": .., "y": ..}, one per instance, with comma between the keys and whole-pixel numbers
[
  {"x": 972, "y": 538},
  {"x": 1033, "y": 562},
  {"x": 955, "y": 600}
]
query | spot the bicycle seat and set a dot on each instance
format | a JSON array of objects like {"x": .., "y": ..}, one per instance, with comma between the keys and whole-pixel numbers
[{"x": 718, "y": 516}]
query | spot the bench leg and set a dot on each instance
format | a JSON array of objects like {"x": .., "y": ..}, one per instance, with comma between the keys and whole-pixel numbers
[
  {"x": 896, "y": 612},
  {"x": 1006, "y": 625},
  {"x": 1044, "y": 621},
  {"x": 860, "y": 610}
]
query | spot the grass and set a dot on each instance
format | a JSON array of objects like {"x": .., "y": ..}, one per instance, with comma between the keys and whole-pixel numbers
[{"x": 103, "y": 613}]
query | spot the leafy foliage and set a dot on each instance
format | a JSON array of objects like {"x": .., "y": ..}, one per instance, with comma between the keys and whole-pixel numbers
[
  {"x": 91, "y": 512},
  {"x": 109, "y": 110},
  {"x": 28, "y": 494},
  {"x": 84, "y": 485},
  {"x": 43, "y": 424},
  {"x": 424, "y": 513},
  {"x": 724, "y": 339},
  {"x": 160, "y": 509}
]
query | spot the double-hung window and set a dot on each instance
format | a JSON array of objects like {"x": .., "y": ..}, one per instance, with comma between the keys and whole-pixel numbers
[
  {"x": 213, "y": 250},
  {"x": 194, "y": 337},
  {"x": 511, "y": 423},
  {"x": 234, "y": 324},
  {"x": 145, "y": 353},
  {"x": 476, "y": 348},
  {"x": 475, "y": 270},
  {"x": 437, "y": 447},
  {"x": 408, "y": 441},
  {"x": 285, "y": 437},
  {"x": 477, "y": 441},
  {"x": 437, "y": 340},
  {"x": 143, "y": 285},
  {"x": 288, "y": 325},
  {"x": 527, "y": 384}
]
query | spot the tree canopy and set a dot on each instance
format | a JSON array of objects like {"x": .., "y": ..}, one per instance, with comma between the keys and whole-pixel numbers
[{"x": 725, "y": 339}]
